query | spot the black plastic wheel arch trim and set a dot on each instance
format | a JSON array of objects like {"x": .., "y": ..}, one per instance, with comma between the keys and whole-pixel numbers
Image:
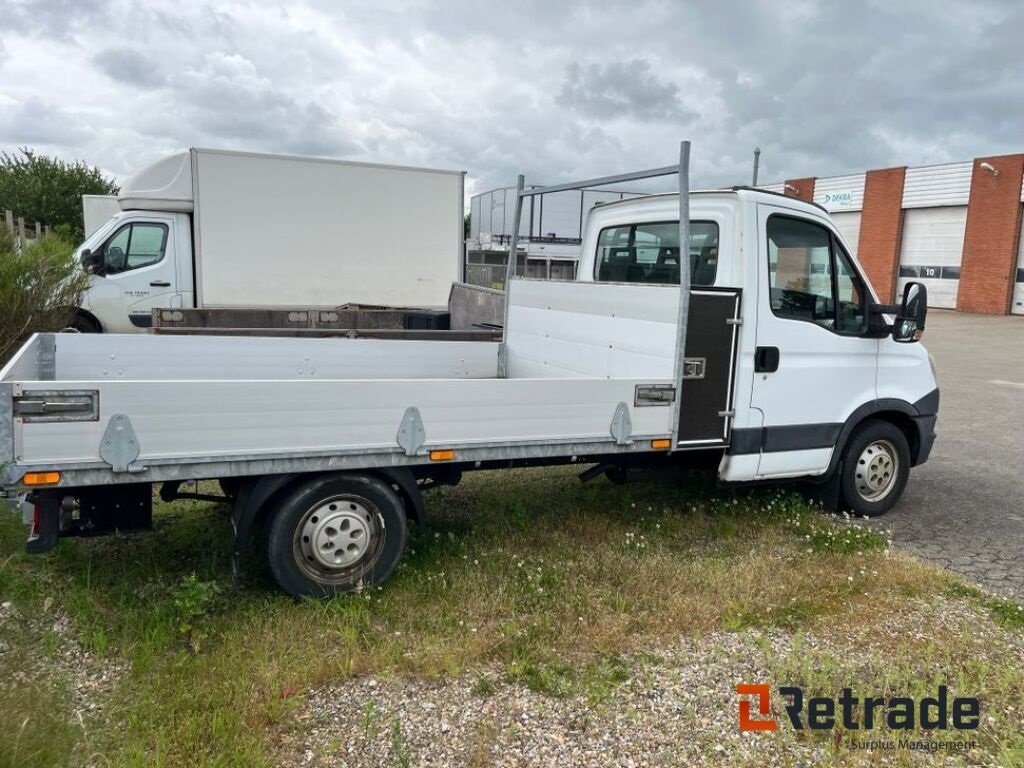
[
  {"x": 253, "y": 496},
  {"x": 801, "y": 437}
]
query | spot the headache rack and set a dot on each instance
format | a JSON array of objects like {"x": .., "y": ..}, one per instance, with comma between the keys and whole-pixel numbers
[{"x": 682, "y": 170}]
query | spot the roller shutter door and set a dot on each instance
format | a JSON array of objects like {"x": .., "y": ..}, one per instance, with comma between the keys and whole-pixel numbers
[
  {"x": 1017, "y": 304},
  {"x": 933, "y": 244},
  {"x": 848, "y": 224}
]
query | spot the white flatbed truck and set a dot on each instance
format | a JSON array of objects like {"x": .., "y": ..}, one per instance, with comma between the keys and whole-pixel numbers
[{"x": 769, "y": 357}]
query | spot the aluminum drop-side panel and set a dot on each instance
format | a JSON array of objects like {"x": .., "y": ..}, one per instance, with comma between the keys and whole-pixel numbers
[
  {"x": 137, "y": 356},
  {"x": 212, "y": 418},
  {"x": 591, "y": 330}
]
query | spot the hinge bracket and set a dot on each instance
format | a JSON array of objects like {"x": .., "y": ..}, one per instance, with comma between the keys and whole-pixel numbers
[
  {"x": 119, "y": 446},
  {"x": 411, "y": 434},
  {"x": 622, "y": 425}
]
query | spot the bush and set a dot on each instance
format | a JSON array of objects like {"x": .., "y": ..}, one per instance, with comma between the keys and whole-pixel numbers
[{"x": 41, "y": 286}]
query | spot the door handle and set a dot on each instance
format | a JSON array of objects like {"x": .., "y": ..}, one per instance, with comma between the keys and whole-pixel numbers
[
  {"x": 766, "y": 359},
  {"x": 160, "y": 284}
]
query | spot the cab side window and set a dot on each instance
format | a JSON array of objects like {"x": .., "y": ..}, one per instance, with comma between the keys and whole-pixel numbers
[
  {"x": 811, "y": 277},
  {"x": 133, "y": 246},
  {"x": 649, "y": 253}
]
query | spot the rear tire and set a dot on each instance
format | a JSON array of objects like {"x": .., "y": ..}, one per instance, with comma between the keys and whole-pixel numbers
[
  {"x": 335, "y": 533},
  {"x": 876, "y": 467}
]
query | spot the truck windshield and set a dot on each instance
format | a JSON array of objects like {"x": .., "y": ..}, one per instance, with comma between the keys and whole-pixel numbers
[{"x": 649, "y": 253}]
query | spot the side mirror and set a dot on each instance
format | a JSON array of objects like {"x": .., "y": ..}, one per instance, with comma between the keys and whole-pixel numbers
[
  {"x": 910, "y": 320},
  {"x": 91, "y": 262}
]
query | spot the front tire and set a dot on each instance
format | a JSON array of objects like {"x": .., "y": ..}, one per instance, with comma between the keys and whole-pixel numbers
[
  {"x": 82, "y": 323},
  {"x": 336, "y": 533},
  {"x": 876, "y": 467}
]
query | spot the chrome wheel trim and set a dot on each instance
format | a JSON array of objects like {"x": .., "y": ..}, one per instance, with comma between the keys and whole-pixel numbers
[
  {"x": 876, "y": 470},
  {"x": 337, "y": 536}
]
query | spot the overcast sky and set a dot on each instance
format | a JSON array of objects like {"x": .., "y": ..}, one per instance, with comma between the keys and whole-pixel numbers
[{"x": 553, "y": 88}]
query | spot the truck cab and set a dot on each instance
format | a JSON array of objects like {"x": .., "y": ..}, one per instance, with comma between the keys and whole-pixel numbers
[
  {"x": 137, "y": 261},
  {"x": 811, "y": 358}
]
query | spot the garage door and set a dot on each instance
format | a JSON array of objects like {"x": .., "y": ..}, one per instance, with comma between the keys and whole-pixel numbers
[
  {"x": 1017, "y": 305},
  {"x": 848, "y": 224},
  {"x": 933, "y": 244}
]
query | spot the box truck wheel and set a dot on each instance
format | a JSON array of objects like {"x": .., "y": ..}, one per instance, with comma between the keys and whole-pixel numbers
[
  {"x": 335, "y": 533},
  {"x": 84, "y": 323},
  {"x": 876, "y": 465}
]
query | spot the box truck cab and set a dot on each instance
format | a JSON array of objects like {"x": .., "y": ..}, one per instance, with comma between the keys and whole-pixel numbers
[
  {"x": 217, "y": 229},
  {"x": 758, "y": 349}
]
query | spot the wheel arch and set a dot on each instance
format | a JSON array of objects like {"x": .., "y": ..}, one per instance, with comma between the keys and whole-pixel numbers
[
  {"x": 81, "y": 312},
  {"x": 255, "y": 497},
  {"x": 900, "y": 413}
]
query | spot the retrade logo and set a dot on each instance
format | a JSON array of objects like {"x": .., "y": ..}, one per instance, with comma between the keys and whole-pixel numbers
[
  {"x": 763, "y": 694},
  {"x": 853, "y": 713}
]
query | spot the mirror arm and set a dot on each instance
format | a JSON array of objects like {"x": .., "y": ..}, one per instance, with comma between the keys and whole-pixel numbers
[
  {"x": 886, "y": 309},
  {"x": 877, "y": 327}
]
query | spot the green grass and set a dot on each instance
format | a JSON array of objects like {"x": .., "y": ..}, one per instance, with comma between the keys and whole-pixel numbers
[{"x": 557, "y": 584}]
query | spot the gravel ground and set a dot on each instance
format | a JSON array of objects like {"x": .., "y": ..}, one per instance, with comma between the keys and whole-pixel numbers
[
  {"x": 60, "y": 659},
  {"x": 678, "y": 708}
]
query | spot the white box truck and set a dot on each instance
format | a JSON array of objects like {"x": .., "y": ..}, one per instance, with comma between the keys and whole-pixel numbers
[
  {"x": 217, "y": 229},
  {"x": 737, "y": 357}
]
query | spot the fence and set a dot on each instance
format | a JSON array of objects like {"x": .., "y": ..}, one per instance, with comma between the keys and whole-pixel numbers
[{"x": 22, "y": 233}]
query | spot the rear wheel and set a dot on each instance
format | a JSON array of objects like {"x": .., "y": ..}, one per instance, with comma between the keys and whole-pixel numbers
[
  {"x": 336, "y": 533},
  {"x": 876, "y": 466}
]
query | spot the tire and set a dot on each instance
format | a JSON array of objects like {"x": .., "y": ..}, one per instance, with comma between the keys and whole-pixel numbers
[
  {"x": 82, "y": 323},
  {"x": 876, "y": 466},
  {"x": 335, "y": 533}
]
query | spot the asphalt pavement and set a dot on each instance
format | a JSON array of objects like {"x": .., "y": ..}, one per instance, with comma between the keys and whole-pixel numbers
[{"x": 964, "y": 508}]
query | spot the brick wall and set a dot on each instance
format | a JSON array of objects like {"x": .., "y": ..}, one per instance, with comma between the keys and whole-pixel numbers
[
  {"x": 990, "y": 241},
  {"x": 801, "y": 188},
  {"x": 881, "y": 229}
]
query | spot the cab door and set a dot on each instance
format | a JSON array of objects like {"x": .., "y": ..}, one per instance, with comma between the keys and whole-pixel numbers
[
  {"x": 813, "y": 361},
  {"x": 138, "y": 274}
]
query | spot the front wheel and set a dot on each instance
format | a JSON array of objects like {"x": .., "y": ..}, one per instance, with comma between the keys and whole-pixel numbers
[
  {"x": 82, "y": 323},
  {"x": 876, "y": 466},
  {"x": 334, "y": 534}
]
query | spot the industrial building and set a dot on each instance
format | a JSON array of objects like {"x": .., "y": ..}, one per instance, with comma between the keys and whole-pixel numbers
[
  {"x": 549, "y": 233},
  {"x": 956, "y": 227}
]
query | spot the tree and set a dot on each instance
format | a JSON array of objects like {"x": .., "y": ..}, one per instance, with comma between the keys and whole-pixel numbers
[
  {"x": 49, "y": 190},
  {"x": 41, "y": 285}
]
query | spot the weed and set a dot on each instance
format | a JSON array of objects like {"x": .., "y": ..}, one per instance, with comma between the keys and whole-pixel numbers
[
  {"x": 194, "y": 602},
  {"x": 1007, "y": 613},
  {"x": 399, "y": 749}
]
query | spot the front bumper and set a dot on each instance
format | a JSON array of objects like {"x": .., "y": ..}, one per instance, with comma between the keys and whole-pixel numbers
[
  {"x": 927, "y": 414},
  {"x": 925, "y": 437}
]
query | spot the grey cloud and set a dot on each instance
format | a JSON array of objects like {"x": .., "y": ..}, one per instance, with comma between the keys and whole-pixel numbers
[
  {"x": 129, "y": 66},
  {"x": 226, "y": 101},
  {"x": 35, "y": 122},
  {"x": 620, "y": 89},
  {"x": 554, "y": 90},
  {"x": 54, "y": 18}
]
